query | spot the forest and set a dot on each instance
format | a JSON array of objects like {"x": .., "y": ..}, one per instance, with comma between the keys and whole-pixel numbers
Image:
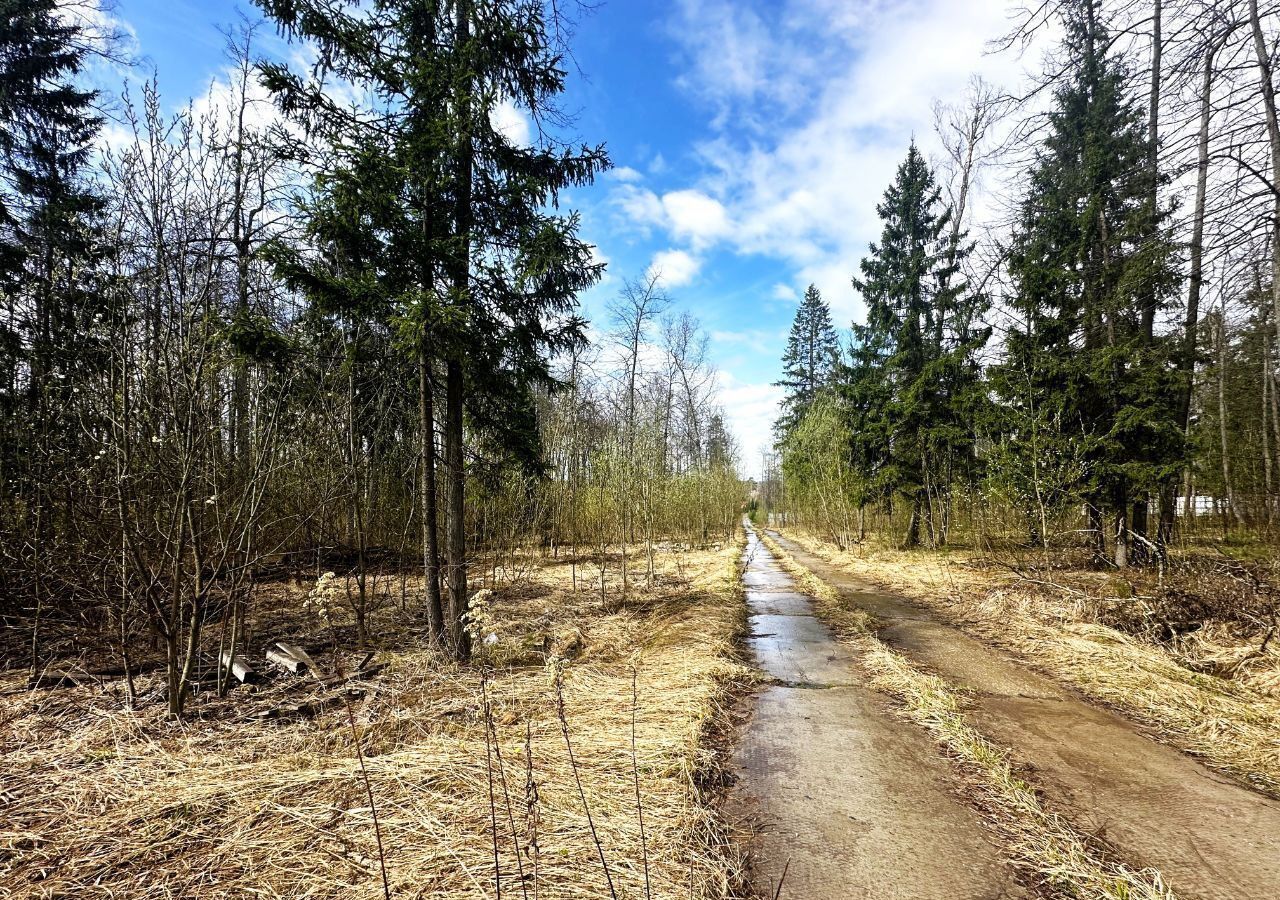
[
  {"x": 1087, "y": 353},
  {"x": 350, "y": 340},
  {"x": 293, "y": 381},
  {"x": 366, "y": 531}
]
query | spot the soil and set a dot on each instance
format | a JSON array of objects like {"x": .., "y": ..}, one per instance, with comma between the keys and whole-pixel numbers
[
  {"x": 1211, "y": 838},
  {"x": 849, "y": 799}
]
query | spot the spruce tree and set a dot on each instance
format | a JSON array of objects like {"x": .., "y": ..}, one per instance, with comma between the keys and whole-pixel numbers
[
  {"x": 914, "y": 384},
  {"x": 50, "y": 245},
  {"x": 809, "y": 360},
  {"x": 1089, "y": 257},
  {"x": 461, "y": 242},
  {"x": 719, "y": 444}
]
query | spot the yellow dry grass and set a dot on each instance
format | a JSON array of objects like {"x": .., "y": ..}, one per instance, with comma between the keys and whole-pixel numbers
[
  {"x": 1227, "y": 722},
  {"x": 97, "y": 801}
]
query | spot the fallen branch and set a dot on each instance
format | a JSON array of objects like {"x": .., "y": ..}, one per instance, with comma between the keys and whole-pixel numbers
[
  {"x": 1042, "y": 582},
  {"x": 77, "y": 678},
  {"x": 311, "y": 708}
]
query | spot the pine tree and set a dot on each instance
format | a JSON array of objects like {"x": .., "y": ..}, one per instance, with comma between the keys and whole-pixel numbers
[
  {"x": 1088, "y": 259},
  {"x": 380, "y": 202},
  {"x": 809, "y": 360},
  {"x": 914, "y": 384}
]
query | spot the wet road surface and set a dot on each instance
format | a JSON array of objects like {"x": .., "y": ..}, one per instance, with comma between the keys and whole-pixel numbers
[
  {"x": 1211, "y": 838},
  {"x": 851, "y": 800}
]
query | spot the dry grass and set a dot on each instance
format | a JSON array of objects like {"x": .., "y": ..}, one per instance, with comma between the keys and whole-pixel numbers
[
  {"x": 97, "y": 801},
  {"x": 1057, "y": 624}
]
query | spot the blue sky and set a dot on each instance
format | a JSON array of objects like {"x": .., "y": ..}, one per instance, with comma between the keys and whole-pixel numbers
[{"x": 752, "y": 140}]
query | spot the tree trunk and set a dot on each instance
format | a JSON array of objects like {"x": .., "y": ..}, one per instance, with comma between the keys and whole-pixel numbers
[
  {"x": 1227, "y": 488},
  {"x": 1122, "y": 530},
  {"x": 175, "y": 687},
  {"x": 1273, "y": 136},
  {"x": 455, "y": 508},
  {"x": 1141, "y": 505},
  {"x": 1266, "y": 415},
  {"x": 1195, "y": 284},
  {"x": 1275, "y": 415},
  {"x": 913, "y": 525},
  {"x": 1153, "y": 151},
  {"x": 430, "y": 528},
  {"x": 1098, "y": 535},
  {"x": 460, "y": 275}
]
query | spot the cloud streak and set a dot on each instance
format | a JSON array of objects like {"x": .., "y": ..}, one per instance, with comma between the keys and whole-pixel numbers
[{"x": 814, "y": 106}]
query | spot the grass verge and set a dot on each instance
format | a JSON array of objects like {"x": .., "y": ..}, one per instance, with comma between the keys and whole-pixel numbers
[
  {"x": 1043, "y": 842},
  {"x": 1226, "y": 722},
  {"x": 468, "y": 768}
]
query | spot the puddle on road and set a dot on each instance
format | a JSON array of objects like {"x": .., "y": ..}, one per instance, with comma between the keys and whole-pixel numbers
[
  {"x": 800, "y": 650},
  {"x": 765, "y": 579},
  {"x": 778, "y": 603},
  {"x": 787, "y": 640},
  {"x": 841, "y": 790}
]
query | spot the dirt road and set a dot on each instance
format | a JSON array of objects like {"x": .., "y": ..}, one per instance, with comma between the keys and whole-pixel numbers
[
  {"x": 1211, "y": 838},
  {"x": 851, "y": 800}
]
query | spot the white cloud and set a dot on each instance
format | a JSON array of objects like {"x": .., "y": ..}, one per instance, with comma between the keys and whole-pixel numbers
[
  {"x": 689, "y": 215},
  {"x": 694, "y": 216},
  {"x": 626, "y": 174},
  {"x": 99, "y": 25},
  {"x": 675, "y": 267},
  {"x": 785, "y": 293},
  {"x": 218, "y": 106},
  {"x": 511, "y": 122},
  {"x": 641, "y": 207},
  {"x": 750, "y": 410},
  {"x": 814, "y": 105},
  {"x": 729, "y": 49}
]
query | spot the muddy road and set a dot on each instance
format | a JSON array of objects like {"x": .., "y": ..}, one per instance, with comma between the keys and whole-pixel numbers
[
  {"x": 852, "y": 801},
  {"x": 854, "y": 797}
]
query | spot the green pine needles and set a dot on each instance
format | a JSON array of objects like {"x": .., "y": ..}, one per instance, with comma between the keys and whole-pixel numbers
[
  {"x": 430, "y": 225},
  {"x": 1087, "y": 389}
]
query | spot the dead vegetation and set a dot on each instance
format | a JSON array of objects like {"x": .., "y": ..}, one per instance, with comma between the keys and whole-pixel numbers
[
  {"x": 1187, "y": 650},
  {"x": 457, "y": 780}
]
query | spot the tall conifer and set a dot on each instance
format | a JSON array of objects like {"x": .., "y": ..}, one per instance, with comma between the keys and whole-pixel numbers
[
  {"x": 50, "y": 242},
  {"x": 914, "y": 383},
  {"x": 473, "y": 255},
  {"x": 809, "y": 360},
  {"x": 1088, "y": 259}
]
